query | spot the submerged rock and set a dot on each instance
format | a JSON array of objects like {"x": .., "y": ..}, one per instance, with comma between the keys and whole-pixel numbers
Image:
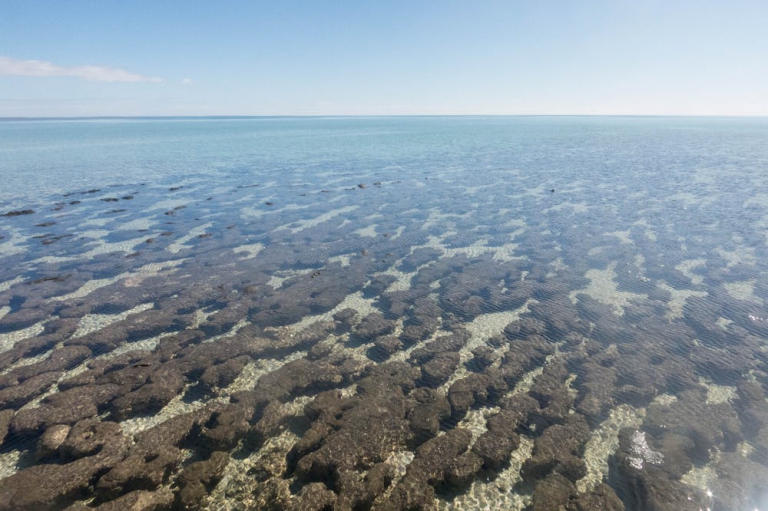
[
  {"x": 16, "y": 396},
  {"x": 370, "y": 427},
  {"x": 553, "y": 493},
  {"x": 496, "y": 445},
  {"x": 436, "y": 371},
  {"x": 63, "y": 483},
  {"x": 51, "y": 440},
  {"x": 601, "y": 498},
  {"x": 314, "y": 497},
  {"x": 139, "y": 500},
  {"x": 6, "y": 416},
  {"x": 638, "y": 476},
  {"x": 374, "y": 325},
  {"x": 198, "y": 479},
  {"x": 428, "y": 411},
  {"x": 558, "y": 450},
  {"x": 18, "y": 212},
  {"x": 475, "y": 389}
]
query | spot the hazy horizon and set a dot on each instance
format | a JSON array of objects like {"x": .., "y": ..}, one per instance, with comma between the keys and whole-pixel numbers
[{"x": 360, "y": 116}]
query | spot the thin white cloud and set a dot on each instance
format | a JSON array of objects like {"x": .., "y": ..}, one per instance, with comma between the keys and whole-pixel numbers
[
  {"x": 186, "y": 81},
  {"x": 42, "y": 69}
]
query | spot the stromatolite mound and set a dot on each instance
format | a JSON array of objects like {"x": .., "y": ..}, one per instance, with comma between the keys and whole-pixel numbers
[
  {"x": 638, "y": 477},
  {"x": 357, "y": 432},
  {"x": 53, "y": 486}
]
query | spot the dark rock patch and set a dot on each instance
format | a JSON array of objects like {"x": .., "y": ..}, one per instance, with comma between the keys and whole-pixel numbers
[
  {"x": 559, "y": 450},
  {"x": 6, "y": 416},
  {"x": 18, "y": 212},
  {"x": 198, "y": 479}
]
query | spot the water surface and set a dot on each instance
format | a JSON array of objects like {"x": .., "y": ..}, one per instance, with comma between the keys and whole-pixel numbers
[{"x": 385, "y": 313}]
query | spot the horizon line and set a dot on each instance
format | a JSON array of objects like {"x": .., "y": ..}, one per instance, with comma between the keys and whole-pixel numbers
[{"x": 321, "y": 116}]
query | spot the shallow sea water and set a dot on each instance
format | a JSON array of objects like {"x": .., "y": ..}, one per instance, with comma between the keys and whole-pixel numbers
[{"x": 384, "y": 313}]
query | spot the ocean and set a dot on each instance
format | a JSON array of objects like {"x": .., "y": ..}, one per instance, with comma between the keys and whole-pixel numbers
[{"x": 384, "y": 313}]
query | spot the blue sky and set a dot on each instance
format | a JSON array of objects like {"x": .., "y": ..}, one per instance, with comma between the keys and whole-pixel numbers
[{"x": 359, "y": 57}]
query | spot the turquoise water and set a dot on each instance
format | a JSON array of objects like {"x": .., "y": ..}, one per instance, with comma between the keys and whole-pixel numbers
[
  {"x": 43, "y": 156},
  {"x": 573, "y": 308}
]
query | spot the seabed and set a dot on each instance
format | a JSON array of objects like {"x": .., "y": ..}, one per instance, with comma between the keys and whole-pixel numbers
[{"x": 500, "y": 346}]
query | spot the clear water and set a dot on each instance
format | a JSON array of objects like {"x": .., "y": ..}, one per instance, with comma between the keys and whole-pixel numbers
[{"x": 609, "y": 268}]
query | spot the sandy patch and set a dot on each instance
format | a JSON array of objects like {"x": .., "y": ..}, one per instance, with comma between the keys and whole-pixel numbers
[
  {"x": 7, "y": 341},
  {"x": 604, "y": 288},
  {"x": 179, "y": 244},
  {"x": 94, "y": 322},
  {"x": 250, "y": 251}
]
